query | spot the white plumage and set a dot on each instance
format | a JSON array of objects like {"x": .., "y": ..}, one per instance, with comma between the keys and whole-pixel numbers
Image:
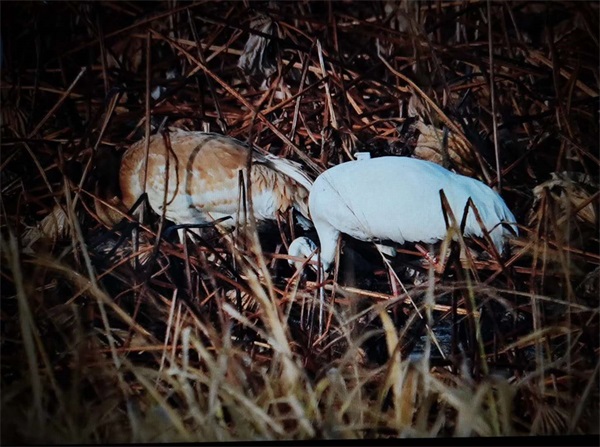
[
  {"x": 301, "y": 247},
  {"x": 397, "y": 199}
]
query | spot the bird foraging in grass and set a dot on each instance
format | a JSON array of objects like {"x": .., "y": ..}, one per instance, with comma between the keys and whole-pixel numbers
[
  {"x": 196, "y": 178},
  {"x": 301, "y": 247},
  {"x": 398, "y": 199}
]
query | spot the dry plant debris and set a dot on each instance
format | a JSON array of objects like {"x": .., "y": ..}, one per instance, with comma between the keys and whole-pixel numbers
[{"x": 146, "y": 340}]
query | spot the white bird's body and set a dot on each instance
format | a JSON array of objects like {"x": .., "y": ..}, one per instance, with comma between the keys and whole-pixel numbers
[
  {"x": 397, "y": 199},
  {"x": 201, "y": 176}
]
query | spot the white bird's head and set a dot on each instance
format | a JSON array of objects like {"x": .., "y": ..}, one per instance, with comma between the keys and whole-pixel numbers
[{"x": 302, "y": 247}]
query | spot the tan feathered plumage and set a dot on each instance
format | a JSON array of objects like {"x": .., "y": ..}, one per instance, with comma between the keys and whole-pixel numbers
[{"x": 201, "y": 173}]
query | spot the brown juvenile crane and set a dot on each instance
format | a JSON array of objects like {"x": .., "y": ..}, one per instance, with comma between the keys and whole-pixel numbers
[{"x": 201, "y": 174}]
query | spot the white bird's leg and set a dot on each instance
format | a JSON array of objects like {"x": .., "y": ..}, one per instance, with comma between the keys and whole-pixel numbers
[
  {"x": 387, "y": 250},
  {"x": 135, "y": 238},
  {"x": 321, "y": 293},
  {"x": 135, "y": 233},
  {"x": 324, "y": 276},
  {"x": 393, "y": 278},
  {"x": 242, "y": 209},
  {"x": 321, "y": 280},
  {"x": 328, "y": 253},
  {"x": 188, "y": 273}
]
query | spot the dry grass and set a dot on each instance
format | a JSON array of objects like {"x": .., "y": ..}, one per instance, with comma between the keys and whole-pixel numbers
[{"x": 215, "y": 340}]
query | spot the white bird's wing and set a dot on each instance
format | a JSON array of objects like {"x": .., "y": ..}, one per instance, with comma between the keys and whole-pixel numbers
[{"x": 397, "y": 198}]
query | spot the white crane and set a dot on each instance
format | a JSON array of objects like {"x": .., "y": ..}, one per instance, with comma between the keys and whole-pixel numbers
[
  {"x": 397, "y": 199},
  {"x": 200, "y": 172}
]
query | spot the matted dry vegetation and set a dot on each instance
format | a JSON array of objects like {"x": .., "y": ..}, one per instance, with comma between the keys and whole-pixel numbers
[{"x": 214, "y": 340}]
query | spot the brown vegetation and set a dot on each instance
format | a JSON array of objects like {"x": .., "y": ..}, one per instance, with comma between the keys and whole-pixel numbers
[{"x": 215, "y": 340}]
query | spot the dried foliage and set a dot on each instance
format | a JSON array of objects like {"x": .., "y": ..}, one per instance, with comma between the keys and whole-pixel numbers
[{"x": 144, "y": 339}]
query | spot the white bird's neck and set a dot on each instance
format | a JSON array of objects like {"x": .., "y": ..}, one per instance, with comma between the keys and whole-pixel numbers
[{"x": 328, "y": 237}]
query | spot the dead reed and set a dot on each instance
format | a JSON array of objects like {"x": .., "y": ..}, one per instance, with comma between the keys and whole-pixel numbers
[{"x": 214, "y": 340}]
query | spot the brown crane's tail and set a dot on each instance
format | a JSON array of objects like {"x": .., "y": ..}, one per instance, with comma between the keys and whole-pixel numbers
[
  {"x": 284, "y": 183},
  {"x": 297, "y": 191}
]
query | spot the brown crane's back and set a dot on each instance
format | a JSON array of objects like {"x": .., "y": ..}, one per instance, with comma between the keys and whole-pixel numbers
[{"x": 201, "y": 175}]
